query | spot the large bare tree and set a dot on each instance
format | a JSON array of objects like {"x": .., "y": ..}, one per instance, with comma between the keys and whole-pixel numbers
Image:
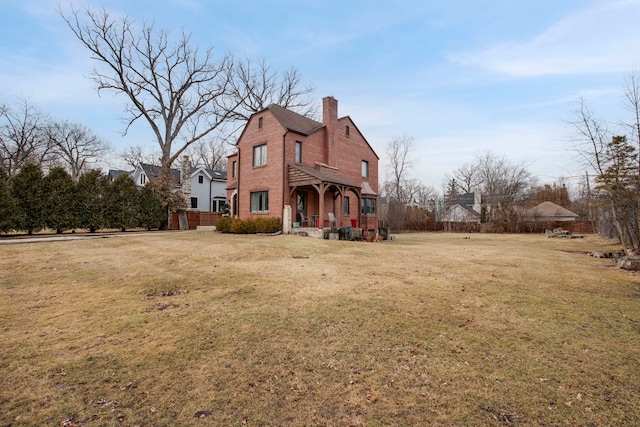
[
  {"x": 77, "y": 146},
  {"x": 23, "y": 137},
  {"x": 614, "y": 162},
  {"x": 466, "y": 178},
  {"x": 179, "y": 91},
  {"x": 209, "y": 152},
  {"x": 133, "y": 155},
  {"x": 502, "y": 182},
  {"x": 399, "y": 153},
  {"x": 257, "y": 85}
]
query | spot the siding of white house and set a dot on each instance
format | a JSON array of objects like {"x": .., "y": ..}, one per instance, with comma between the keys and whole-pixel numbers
[{"x": 211, "y": 192}]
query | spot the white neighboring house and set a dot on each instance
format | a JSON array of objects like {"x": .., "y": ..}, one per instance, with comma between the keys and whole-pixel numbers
[
  {"x": 468, "y": 208},
  {"x": 204, "y": 189},
  {"x": 459, "y": 213},
  {"x": 208, "y": 190}
]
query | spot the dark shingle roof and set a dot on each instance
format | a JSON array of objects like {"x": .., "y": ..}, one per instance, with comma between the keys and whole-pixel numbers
[
  {"x": 153, "y": 172},
  {"x": 114, "y": 173},
  {"x": 215, "y": 174},
  {"x": 294, "y": 121}
]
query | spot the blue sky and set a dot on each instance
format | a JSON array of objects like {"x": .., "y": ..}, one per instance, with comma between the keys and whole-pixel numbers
[{"x": 460, "y": 76}]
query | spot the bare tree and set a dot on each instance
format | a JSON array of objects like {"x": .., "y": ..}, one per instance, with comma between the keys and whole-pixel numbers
[
  {"x": 608, "y": 157},
  {"x": 183, "y": 94},
  {"x": 631, "y": 101},
  {"x": 210, "y": 153},
  {"x": 466, "y": 178},
  {"x": 22, "y": 137},
  {"x": 136, "y": 154},
  {"x": 503, "y": 182},
  {"x": 256, "y": 86},
  {"x": 403, "y": 190},
  {"x": 399, "y": 155},
  {"x": 77, "y": 146}
]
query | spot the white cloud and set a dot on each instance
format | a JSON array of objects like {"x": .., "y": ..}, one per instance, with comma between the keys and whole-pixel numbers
[{"x": 601, "y": 38}]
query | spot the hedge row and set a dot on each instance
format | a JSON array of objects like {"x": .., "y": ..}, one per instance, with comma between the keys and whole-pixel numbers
[{"x": 248, "y": 226}]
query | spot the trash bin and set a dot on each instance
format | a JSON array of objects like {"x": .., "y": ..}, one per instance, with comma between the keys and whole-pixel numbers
[
  {"x": 383, "y": 232},
  {"x": 354, "y": 223}
]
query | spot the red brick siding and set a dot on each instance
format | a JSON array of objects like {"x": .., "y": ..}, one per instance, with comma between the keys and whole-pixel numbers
[
  {"x": 261, "y": 178},
  {"x": 329, "y": 145}
]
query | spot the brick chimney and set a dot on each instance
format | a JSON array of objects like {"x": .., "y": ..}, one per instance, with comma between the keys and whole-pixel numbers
[
  {"x": 330, "y": 120},
  {"x": 477, "y": 200},
  {"x": 185, "y": 177}
]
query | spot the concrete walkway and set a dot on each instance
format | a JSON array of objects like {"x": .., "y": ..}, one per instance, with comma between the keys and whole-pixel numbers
[{"x": 58, "y": 238}]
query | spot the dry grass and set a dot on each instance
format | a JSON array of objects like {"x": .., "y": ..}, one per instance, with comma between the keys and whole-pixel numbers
[{"x": 430, "y": 329}]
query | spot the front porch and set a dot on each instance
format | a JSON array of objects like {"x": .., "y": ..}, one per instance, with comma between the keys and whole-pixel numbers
[{"x": 321, "y": 198}]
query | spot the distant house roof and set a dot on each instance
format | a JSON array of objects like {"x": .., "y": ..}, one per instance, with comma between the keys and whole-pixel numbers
[
  {"x": 114, "y": 173},
  {"x": 212, "y": 173},
  {"x": 294, "y": 121},
  {"x": 460, "y": 213},
  {"x": 467, "y": 199},
  {"x": 153, "y": 173},
  {"x": 549, "y": 211}
]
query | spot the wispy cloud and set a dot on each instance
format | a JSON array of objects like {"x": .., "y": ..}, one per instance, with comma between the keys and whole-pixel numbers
[{"x": 601, "y": 38}]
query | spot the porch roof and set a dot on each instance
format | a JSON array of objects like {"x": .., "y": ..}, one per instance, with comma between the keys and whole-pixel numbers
[{"x": 305, "y": 175}]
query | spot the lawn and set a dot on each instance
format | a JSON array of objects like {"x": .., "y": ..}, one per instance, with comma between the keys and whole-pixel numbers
[{"x": 199, "y": 328}]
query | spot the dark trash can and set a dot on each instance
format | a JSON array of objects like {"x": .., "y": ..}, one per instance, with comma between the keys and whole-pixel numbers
[{"x": 383, "y": 232}]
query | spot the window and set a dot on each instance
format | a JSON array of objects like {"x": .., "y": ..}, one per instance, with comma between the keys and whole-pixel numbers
[
  {"x": 259, "y": 122},
  {"x": 345, "y": 206},
  {"x": 365, "y": 169},
  {"x": 368, "y": 206},
  {"x": 143, "y": 179},
  {"x": 233, "y": 169},
  {"x": 217, "y": 205},
  {"x": 298, "y": 152},
  {"x": 260, "y": 155},
  {"x": 346, "y": 131},
  {"x": 194, "y": 203},
  {"x": 200, "y": 179},
  {"x": 260, "y": 201}
]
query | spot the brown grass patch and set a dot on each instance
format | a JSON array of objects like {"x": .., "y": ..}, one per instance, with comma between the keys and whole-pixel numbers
[{"x": 191, "y": 328}]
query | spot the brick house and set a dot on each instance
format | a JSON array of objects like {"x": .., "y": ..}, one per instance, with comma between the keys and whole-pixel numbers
[{"x": 308, "y": 173}]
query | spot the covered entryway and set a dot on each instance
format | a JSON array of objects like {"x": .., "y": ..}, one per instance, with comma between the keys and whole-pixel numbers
[{"x": 324, "y": 193}]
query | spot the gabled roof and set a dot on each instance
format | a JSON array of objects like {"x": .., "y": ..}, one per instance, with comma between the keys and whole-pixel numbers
[
  {"x": 455, "y": 213},
  {"x": 153, "y": 173},
  {"x": 293, "y": 121},
  {"x": 114, "y": 173},
  {"x": 304, "y": 175},
  {"x": 550, "y": 210},
  {"x": 468, "y": 199},
  {"x": 211, "y": 173}
]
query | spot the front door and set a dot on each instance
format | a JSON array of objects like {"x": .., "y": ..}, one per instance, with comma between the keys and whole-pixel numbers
[{"x": 301, "y": 204}]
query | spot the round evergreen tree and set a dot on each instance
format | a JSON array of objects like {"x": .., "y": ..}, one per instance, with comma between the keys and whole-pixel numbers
[
  {"x": 7, "y": 204},
  {"x": 151, "y": 213},
  {"x": 123, "y": 203},
  {"x": 59, "y": 193},
  {"x": 26, "y": 190},
  {"x": 91, "y": 201}
]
